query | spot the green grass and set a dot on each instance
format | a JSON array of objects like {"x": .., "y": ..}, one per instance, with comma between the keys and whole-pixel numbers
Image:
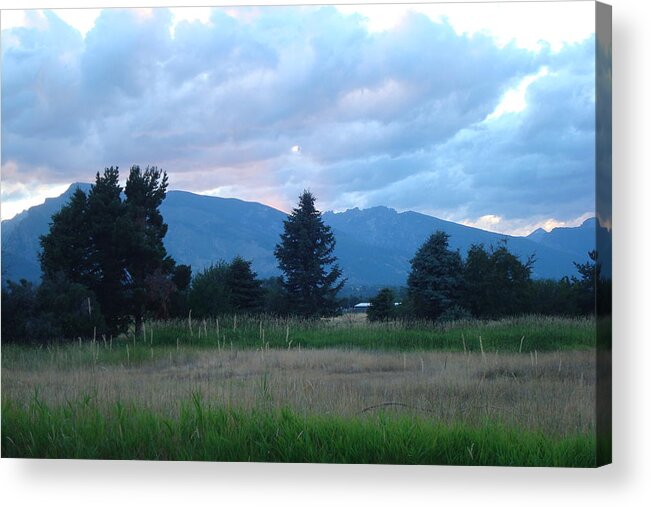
[
  {"x": 174, "y": 339},
  {"x": 85, "y": 430},
  {"x": 540, "y": 333}
]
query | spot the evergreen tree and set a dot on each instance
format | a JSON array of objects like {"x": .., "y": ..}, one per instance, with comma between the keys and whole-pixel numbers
[
  {"x": 275, "y": 297},
  {"x": 226, "y": 288},
  {"x": 66, "y": 310},
  {"x": 382, "y": 307},
  {"x": 511, "y": 281},
  {"x": 18, "y": 308},
  {"x": 244, "y": 289},
  {"x": 552, "y": 297},
  {"x": 496, "y": 282},
  {"x": 107, "y": 252},
  {"x": 58, "y": 309},
  {"x": 306, "y": 257},
  {"x": 478, "y": 291},
  {"x": 114, "y": 247},
  {"x": 435, "y": 281},
  {"x": 83, "y": 245},
  {"x": 66, "y": 249},
  {"x": 149, "y": 269}
]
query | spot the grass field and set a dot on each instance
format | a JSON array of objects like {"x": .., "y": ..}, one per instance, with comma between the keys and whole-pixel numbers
[
  {"x": 83, "y": 430},
  {"x": 371, "y": 396}
]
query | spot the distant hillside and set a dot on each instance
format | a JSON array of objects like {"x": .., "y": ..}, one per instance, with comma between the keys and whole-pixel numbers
[
  {"x": 577, "y": 241},
  {"x": 383, "y": 229},
  {"x": 573, "y": 240},
  {"x": 202, "y": 230},
  {"x": 20, "y": 236},
  {"x": 374, "y": 245}
]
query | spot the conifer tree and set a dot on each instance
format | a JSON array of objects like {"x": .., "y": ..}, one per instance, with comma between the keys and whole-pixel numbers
[
  {"x": 114, "y": 247},
  {"x": 107, "y": 253},
  {"x": 435, "y": 281},
  {"x": 496, "y": 282},
  {"x": 244, "y": 289},
  {"x": 382, "y": 307},
  {"x": 65, "y": 250},
  {"x": 306, "y": 257},
  {"x": 142, "y": 229}
]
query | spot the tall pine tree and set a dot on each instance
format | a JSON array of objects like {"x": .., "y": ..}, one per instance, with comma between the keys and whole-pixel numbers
[
  {"x": 114, "y": 247},
  {"x": 147, "y": 264},
  {"x": 107, "y": 253},
  {"x": 306, "y": 257}
]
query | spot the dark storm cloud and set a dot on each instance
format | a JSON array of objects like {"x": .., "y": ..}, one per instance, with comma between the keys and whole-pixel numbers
[{"x": 397, "y": 118}]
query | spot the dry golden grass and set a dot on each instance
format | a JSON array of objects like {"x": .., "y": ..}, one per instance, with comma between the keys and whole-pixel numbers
[{"x": 552, "y": 392}]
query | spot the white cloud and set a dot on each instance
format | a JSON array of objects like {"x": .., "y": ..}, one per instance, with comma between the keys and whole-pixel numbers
[
  {"x": 520, "y": 227},
  {"x": 514, "y": 100},
  {"x": 81, "y": 19},
  {"x": 530, "y": 25},
  {"x": 16, "y": 197},
  {"x": 229, "y": 100}
]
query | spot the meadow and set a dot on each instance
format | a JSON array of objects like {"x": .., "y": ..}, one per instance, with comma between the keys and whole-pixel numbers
[{"x": 511, "y": 392}]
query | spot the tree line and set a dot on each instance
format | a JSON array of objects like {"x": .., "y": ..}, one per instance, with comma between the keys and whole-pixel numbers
[
  {"x": 489, "y": 284},
  {"x": 105, "y": 269},
  {"x": 103, "y": 262}
]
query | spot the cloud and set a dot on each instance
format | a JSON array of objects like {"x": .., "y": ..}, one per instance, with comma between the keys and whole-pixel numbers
[{"x": 398, "y": 117}]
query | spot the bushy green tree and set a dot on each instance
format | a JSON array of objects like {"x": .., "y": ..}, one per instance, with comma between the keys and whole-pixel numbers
[
  {"x": 552, "y": 297},
  {"x": 226, "y": 288},
  {"x": 209, "y": 291},
  {"x": 382, "y": 306},
  {"x": 149, "y": 269},
  {"x": 18, "y": 308},
  {"x": 106, "y": 212},
  {"x": 244, "y": 288},
  {"x": 306, "y": 257},
  {"x": 56, "y": 310},
  {"x": 114, "y": 247},
  {"x": 84, "y": 246},
  {"x": 67, "y": 249},
  {"x": 478, "y": 288},
  {"x": 496, "y": 282},
  {"x": 435, "y": 281},
  {"x": 66, "y": 311}
]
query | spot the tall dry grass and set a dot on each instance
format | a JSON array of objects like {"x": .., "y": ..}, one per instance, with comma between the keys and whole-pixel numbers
[{"x": 551, "y": 391}]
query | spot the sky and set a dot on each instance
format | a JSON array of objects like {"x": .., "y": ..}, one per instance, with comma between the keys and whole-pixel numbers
[{"x": 478, "y": 113}]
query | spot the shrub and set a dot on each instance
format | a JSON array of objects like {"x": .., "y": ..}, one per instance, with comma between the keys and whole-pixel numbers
[{"x": 382, "y": 307}]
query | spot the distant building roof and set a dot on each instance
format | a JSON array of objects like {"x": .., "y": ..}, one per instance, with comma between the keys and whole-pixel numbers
[{"x": 362, "y": 305}]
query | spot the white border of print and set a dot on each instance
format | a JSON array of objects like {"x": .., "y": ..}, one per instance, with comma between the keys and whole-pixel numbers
[{"x": 70, "y": 483}]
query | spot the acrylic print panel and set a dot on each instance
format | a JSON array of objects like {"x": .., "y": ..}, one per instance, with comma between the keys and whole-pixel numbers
[{"x": 342, "y": 234}]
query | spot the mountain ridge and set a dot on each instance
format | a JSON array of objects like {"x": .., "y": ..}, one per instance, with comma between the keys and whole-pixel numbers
[{"x": 374, "y": 245}]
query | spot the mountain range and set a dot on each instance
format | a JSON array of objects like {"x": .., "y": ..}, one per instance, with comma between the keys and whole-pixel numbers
[{"x": 374, "y": 246}]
